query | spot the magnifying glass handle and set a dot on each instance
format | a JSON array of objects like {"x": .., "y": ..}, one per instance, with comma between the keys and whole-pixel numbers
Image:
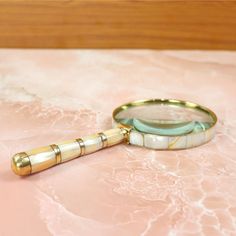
[{"x": 29, "y": 162}]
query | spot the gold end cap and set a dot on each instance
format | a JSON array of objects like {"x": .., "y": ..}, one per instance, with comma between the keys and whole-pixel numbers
[{"x": 20, "y": 164}]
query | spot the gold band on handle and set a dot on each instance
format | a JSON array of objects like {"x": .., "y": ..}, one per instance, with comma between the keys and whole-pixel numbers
[
  {"x": 57, "y": 151},
  {"x": 80, "y": 141},
  {"x": 104, "y": 139}
]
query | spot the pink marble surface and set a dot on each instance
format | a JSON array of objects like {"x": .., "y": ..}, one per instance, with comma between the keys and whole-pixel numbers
[{"x": 50, "y": 96}]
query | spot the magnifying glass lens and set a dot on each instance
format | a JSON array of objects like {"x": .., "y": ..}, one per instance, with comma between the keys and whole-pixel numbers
[{"x": 165, "y": 119}]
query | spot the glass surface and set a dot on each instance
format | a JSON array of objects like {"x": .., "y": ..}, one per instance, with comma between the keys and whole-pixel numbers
[{"x": 165, "y": 119}]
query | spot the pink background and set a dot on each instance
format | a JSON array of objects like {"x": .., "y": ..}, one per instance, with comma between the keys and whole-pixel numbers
[{"x": 50, "y": 96}]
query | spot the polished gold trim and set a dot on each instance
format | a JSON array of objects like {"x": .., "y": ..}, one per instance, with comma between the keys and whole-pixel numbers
[
  {"x": 125, "y": 132},
  {"x": 80, "y": 141},
  {"x": 168, "y": 102},
  {"x": 104, "y": 139},
  {"x": 21, "y": 164},
  {"x": 57, "y": 151}
]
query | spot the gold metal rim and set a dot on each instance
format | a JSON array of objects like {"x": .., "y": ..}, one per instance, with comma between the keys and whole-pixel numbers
[{"x": 175, "y": 102}]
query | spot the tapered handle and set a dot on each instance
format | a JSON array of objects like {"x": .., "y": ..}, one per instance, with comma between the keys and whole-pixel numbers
[{"x": 29, "y": 162}]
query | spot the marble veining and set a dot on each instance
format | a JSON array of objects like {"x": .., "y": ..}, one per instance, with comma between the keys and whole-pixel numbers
[{"x": 50, "y": 96}]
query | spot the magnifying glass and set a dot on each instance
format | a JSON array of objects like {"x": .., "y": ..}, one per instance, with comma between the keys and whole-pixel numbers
[{"x": 156, "y": 124}]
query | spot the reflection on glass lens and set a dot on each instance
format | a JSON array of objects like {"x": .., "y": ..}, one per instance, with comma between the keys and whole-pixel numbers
[{"x": 165, "y": 119}]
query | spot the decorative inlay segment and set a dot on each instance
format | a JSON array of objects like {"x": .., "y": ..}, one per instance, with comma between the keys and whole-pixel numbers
[{"x": 170, "y": 142}]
